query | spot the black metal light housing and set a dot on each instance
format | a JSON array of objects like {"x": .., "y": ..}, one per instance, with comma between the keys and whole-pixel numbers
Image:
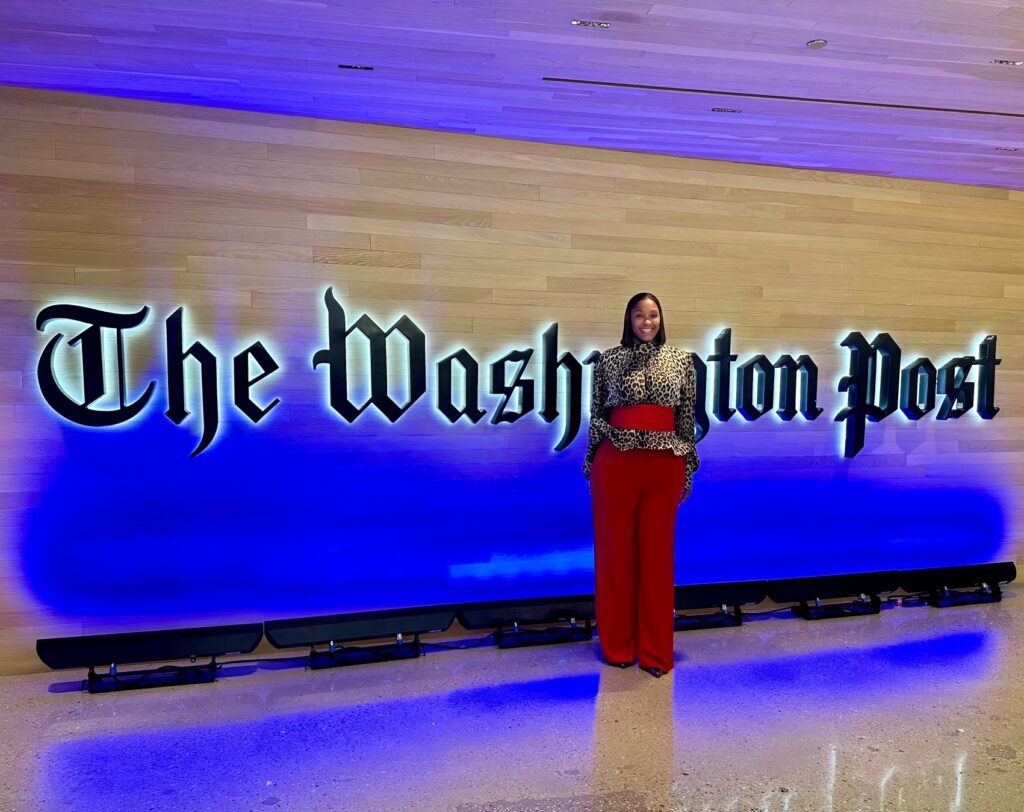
[
  {"x": 726, "y": 597},
  {"x": 957, "y": 586},
  {"x": 864, "y": 587},
  {"x": 334, "y": 630},
  {"x": 112, "y": 650},
  {"x": 508, "y": 618}
]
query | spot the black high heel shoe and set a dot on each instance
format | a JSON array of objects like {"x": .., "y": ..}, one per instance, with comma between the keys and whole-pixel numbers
[
  {"x": 654, "y": 671},
  {"x": 620, "y": 665}
]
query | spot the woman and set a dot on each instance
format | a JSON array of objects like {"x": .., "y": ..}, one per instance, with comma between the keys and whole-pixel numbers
[{"x": 640, "y": 462}]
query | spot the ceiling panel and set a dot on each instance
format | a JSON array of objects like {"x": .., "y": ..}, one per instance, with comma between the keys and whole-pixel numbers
[{"x": 907, "y": 89}]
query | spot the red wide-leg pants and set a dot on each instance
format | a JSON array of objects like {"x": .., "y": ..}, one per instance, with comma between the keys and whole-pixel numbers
[{"x": 635, "y": 497}]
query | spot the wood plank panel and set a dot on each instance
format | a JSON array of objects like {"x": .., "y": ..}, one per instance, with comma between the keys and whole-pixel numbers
[{"x": 246, "y": 218}]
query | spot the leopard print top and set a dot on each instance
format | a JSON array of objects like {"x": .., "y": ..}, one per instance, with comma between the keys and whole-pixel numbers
[{"x": 646, "y": 373}]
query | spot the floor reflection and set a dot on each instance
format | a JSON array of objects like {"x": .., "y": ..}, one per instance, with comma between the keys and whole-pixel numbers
[
  {"x": 634, "y": 737},
  {"x": 915, "y": 709}
]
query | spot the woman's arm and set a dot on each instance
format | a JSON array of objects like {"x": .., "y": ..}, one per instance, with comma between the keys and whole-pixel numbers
[
  {"x": 599, "y": 426},
  {"x": 684, "y": 421}
]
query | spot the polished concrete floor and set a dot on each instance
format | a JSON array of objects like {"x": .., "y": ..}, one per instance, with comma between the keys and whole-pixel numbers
[{"x": 913, "y": 709}]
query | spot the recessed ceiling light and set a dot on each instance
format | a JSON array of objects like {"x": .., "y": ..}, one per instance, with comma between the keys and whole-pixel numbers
[
  {"x": 817, "y": 43},
  {"x": 355, "y": 67},
  {"x": 726, "y": 110},
  {"x": 1007, "y": 149},
  {"x": 591, "y": 24},
  {"x": 1015, "y": 63}
]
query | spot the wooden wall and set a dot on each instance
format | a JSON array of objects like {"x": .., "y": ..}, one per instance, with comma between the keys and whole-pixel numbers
[{"x": 247, "y": 217}]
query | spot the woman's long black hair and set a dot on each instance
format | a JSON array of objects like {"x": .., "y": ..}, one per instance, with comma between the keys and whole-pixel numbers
[{"x": 628, "y": 339}]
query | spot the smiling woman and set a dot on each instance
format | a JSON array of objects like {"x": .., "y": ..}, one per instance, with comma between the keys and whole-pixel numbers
[
  {"x": 644, "y": 320},
  {"x": 641, "y": 459}
]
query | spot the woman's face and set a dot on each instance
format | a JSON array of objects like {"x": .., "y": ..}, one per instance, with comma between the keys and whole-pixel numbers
[{"x": 646, "y": 319}]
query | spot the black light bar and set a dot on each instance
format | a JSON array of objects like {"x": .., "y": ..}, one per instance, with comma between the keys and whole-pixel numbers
[
  {"x": 727, "y": 597},
  {"x": 809, "y": 593},
  {"x": 957, "y": 586},
  {"x": 112, "y": 650},
  {"x": 333, "y": 630},
  {"x": 508, "y": 618}
]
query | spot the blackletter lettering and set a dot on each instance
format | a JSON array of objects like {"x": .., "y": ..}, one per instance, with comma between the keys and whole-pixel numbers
[
  {"x": 93, "y": 386},
  {"x": 874, "y": 385},
  {"x": 860, "y": 386},
  {"x": 856, "y": 387},
  {"x": 243, "y": 383},
  {"x": 335, "y": 356},
  {"x": 574, "y": 370},
  {"x": 808, "y": 370},
  {"x": 986, "y": 363},
  {"x": 499, "y": 386},
  {"x": 957, "y": 390},
  {"x": 445, "y": 401},
  {"x": 723, "y": 411},
  {"x": 884, "y": 379},
  {"x": 176, "y": 356},
  {"x": 755, "y": 399},
  {"x": 918, "y": 381},
  {"x": 417, "y": 369}
]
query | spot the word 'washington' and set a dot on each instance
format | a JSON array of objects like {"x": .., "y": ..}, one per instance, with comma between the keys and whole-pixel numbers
[{"x": 876, "y": 385}]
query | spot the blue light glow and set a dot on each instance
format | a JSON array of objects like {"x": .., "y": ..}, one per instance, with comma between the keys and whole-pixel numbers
[
  {"x": 311, "y": 514},
  {"x": 355, "y": 747}
]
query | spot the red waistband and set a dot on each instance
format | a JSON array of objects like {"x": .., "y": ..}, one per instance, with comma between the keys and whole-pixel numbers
[{"x": 645, "y": 417}]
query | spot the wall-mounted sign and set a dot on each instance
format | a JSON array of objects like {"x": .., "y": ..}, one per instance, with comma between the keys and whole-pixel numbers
[{"x": 876, "y": 385}]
